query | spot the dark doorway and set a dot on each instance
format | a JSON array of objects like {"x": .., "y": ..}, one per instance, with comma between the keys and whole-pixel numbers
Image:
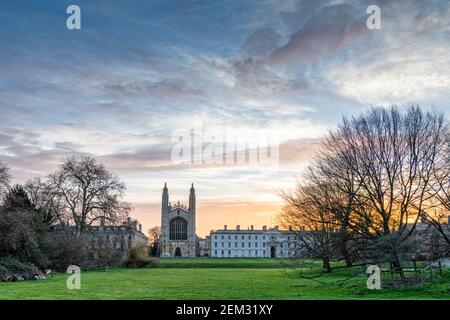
[
  {"x": 178, "y": 252},
  {"x": 273, "y": 252}
]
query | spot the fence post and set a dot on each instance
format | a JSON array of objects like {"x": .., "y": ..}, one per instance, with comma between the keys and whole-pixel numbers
[
  {"x": 431, "y": 271},
  {"x": 415, "y": 267}
]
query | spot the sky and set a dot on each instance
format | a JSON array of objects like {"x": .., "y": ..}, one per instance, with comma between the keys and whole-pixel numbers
[{"x": 137, "y": 72}]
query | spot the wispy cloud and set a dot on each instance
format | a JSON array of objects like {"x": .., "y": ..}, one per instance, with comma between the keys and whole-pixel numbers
[{"x": 138, "y": 71}]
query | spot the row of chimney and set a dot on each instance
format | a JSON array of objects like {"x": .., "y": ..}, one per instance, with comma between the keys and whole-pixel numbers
[
  {"x": 238, "y": 227},
  {"x": 133, "y": 224}
]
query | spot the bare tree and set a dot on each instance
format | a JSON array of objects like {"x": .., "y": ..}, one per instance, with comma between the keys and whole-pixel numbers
[
  {"x": 154, "y": 240},
  {"x": 307, "y": 212},
  {"x": 4, "y": 178},
  {"x": 87, "y": 192},
  {"x": 46, "y": 200},
  {"x": 438, "y": 217},
  {"x": 372, "y": 181},
  {"x": 392, "y": 156},
  {"x": 342, "y": 188}
]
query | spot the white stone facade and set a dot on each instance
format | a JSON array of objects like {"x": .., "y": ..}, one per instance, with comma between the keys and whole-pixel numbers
[{"x": 250, "y": 243}]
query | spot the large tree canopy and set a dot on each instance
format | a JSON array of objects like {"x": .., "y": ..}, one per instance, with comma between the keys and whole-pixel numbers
[
  {"x": 376, "y": 177},
  {"x": 87, "y": 192}
]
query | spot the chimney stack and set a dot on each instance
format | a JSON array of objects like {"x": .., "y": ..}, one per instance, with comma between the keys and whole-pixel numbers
[
  {"x": 276, "y": 227},
  {"x": 238, "y": 227},
  {"x": 225, "y": 227},
  {"x": 290, "y": 228},
  {"x": 264, "y": 228},
  {"x": 251, "y": 227},
  {"x": 140, "y": 227}
]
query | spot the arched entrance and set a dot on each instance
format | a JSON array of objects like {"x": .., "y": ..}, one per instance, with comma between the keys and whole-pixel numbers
[
  {"x": 273, "y": 252},
  {"x": 178, "y": 252}
]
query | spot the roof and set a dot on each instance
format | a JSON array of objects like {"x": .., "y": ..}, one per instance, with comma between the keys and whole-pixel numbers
[{"x": 254, "y": 231}]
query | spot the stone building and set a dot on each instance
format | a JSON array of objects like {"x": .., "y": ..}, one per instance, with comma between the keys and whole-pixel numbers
[
  {"x": 109, "y": 241},
  {"x": 427, "y": 241},
  {"x": 252, "y": 243},
  {"x": 204, "y": 247},
  {"x": 178, "y": 237}
]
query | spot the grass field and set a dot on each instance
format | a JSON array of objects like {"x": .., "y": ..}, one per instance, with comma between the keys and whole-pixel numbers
[{"x": 213, "y": 279}]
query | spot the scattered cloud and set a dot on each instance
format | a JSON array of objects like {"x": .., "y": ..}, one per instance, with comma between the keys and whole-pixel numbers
[{"x": 121, "y": 87}]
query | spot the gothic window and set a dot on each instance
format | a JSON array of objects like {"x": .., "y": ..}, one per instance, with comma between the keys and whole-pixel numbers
[{"x": 178, "y": 229}]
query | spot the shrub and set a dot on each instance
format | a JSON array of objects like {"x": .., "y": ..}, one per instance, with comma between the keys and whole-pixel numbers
[
  {"x": 138, "y": 257},
  {"x": 23, "y": 230},
  {"x": 68, "y": 249},
  {"x": 10, "y": 267},
  {"x": 3, "y": 273},
  {"x": 153, "y": 263}
]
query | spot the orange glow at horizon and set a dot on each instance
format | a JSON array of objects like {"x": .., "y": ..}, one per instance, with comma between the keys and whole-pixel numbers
[{"x": 212, "y": 215}]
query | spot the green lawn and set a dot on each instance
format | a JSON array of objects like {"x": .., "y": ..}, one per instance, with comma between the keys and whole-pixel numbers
[{"x": 213, "y": 279}]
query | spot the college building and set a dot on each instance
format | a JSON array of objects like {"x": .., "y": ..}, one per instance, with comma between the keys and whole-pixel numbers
[
  {"x": 253, "y": 243},
  {"x": 178, "y": 238}
]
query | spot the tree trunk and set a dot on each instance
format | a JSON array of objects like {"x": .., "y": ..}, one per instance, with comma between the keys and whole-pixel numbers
[
  {"x": 346, "y": 254},
  {"x": 326, "y": 265},
  {"x": 398, "y": 268}
]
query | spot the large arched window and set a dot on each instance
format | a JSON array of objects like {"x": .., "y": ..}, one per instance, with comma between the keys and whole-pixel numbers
[{"x": 178, "y": 229}]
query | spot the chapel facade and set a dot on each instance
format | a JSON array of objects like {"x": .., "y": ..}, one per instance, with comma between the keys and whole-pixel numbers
[{"x": 178, "y": 237}]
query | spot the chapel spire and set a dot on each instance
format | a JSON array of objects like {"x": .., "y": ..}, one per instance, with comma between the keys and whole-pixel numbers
[{"x": 192, "y": 197}]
